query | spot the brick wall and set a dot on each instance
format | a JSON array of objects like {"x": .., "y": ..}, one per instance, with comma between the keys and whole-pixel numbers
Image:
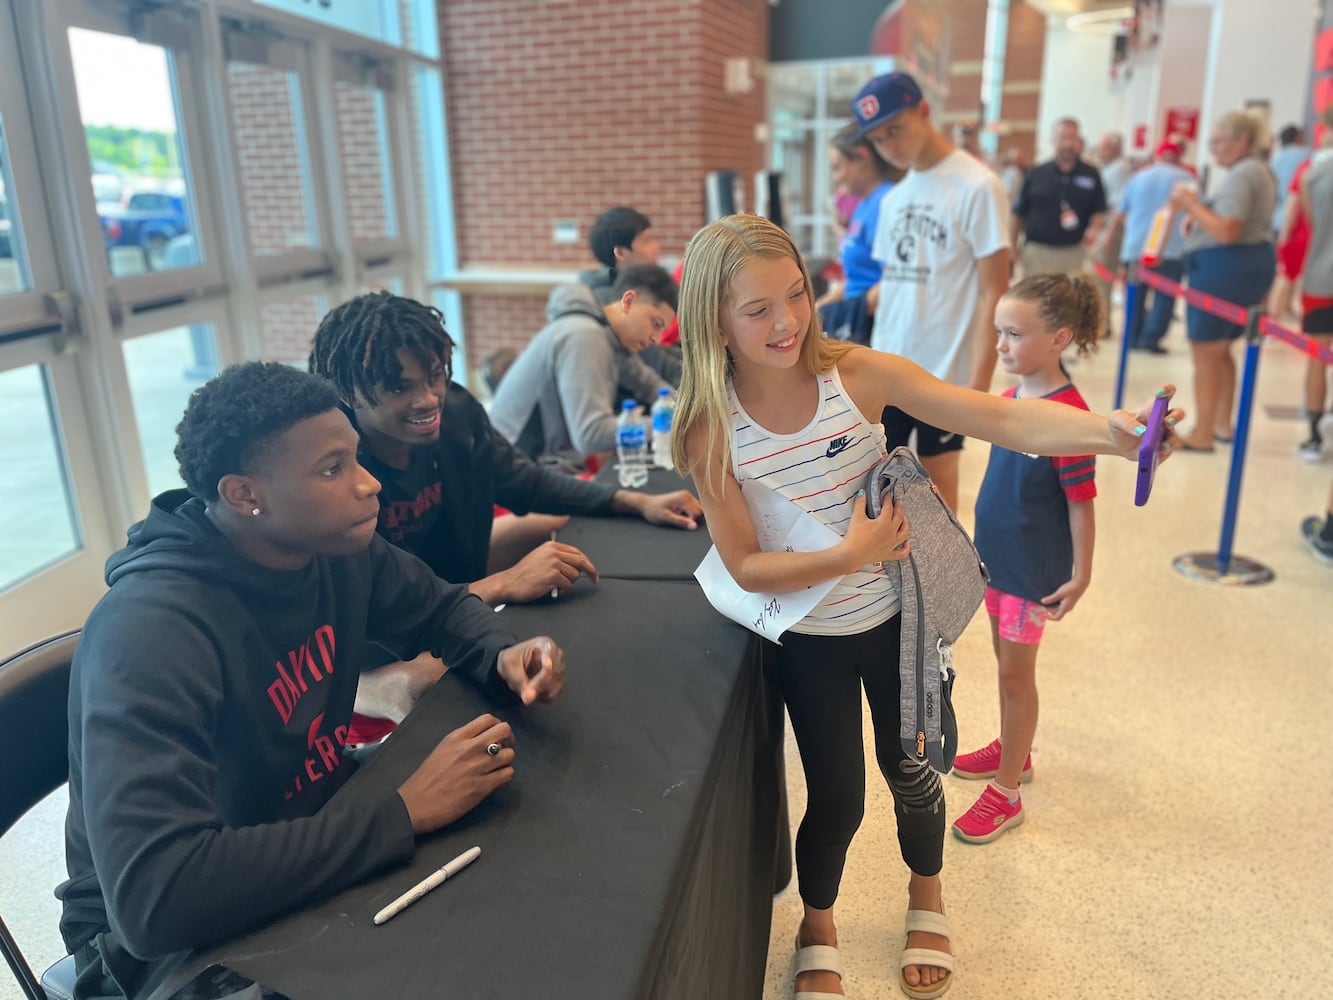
[
  {"x": 286, "y": 329},
  {"x": 559, "y": 109},
  {"x": 1024, "y": 50},
  {"x": 278, "y": 214}
]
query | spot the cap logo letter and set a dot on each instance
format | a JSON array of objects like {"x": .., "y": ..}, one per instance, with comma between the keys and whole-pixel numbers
[{"x": 868, "y": 107}]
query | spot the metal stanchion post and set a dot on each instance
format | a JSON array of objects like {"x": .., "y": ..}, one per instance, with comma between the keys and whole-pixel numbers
[
  {"x": 1223, "y": 566},
  {"x": 1132, "y": 293}
]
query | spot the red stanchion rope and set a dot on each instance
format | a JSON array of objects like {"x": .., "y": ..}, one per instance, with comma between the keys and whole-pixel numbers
[
  {"x": 1224, "y": 310},
  {"x": 1104, "y": 272},
  {"x": 1269, "y": 328}
]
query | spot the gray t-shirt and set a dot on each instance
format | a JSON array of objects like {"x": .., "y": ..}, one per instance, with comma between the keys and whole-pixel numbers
[
  {"x": 1249, "y": 193},
  {"x": 1318, "y": 277}
]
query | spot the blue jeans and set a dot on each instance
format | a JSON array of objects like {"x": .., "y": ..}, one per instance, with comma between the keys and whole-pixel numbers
[{"x": 1150, "y": 325}]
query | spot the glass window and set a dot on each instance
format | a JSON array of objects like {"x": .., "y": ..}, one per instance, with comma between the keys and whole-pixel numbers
[
  {"x": 378, "y": 19},
  {"x": 394, "y": 286},
  {"x": 287, "y": 328},
  {"x": 363, "y": 142},
  {"x": 430, "y": 169},
  {"x": 268, "y": 128},
  {"x": 37, "y": 521},
  {"x": 163, "y": 369},
  {"x": 128, "y": 103},
  {"x": 14, "y": 276}
]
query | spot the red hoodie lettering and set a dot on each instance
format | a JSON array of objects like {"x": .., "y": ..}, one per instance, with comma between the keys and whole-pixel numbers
[
  {"x": 324, "y": 759},
  {"x": 307, "y": 665},
  {"x": 396, "y": 513}
]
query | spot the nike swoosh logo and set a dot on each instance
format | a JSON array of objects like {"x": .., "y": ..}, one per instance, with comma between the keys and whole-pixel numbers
[
  {"x": 837, "y": 446},
  {"x": 946, "y": 438}
]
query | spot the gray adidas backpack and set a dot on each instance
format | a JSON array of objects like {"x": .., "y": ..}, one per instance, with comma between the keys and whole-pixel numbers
[{"x": 941, "y": 585}]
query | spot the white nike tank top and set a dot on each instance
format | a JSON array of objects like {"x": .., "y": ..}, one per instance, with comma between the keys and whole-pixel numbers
[{"x": 821, "y": 468}]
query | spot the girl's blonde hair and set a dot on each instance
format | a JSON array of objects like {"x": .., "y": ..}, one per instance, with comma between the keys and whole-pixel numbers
[
  {"x": 713, "y": 260},
  {"x": 1070, "y": 300},
  {"x": 1246, "y": 125}
]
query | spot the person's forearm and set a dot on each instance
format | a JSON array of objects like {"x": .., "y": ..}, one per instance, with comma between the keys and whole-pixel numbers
[
  {"x": 1094, "y": 228},
  {"x": 1083, "y": 532},
  {"x": 493, "y": 589},
  {"x": 983, "y": 332},
  {"x": 778, "y": 572},
  {"x": 628, "y": 502},
  {"x": 1290, "y": 213},
  {"x": 1222, "y": 228}
]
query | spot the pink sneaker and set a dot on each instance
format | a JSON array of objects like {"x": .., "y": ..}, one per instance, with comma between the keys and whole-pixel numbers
[
  {"x": 989, "y": 817},
  {"x": 985, "y": 763}
]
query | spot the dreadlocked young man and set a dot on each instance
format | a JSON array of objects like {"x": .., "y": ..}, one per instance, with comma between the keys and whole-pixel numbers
[{"x": 443, "y": 467}]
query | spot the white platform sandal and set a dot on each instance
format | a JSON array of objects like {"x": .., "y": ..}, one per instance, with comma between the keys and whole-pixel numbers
[
  {"x": 817, "y": 958},
  {"x": 930, "y": 923}
]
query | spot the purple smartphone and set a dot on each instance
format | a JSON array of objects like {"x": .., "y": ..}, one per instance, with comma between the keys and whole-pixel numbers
[{"x": 1150, "y": 449}]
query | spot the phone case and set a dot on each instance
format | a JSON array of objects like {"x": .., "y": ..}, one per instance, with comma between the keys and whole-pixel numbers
[{"x": 1150, "y": 450}]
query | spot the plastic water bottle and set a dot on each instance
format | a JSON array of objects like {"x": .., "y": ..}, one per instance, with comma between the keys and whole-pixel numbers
[
  {"x": 631, "y": 447},
  {"x": 664, "y": 412}
]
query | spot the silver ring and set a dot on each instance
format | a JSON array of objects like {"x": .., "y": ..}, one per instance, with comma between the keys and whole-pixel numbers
[{"x": 493, "y": 749}]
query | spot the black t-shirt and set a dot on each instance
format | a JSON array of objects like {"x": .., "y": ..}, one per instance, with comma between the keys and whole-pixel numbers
[
  {"x": 440, "y": 507},
  {"x": 1048, "y": 192}
]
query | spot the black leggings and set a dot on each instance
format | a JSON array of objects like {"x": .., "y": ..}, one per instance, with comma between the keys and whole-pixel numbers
[{"x": 821, "y": 678}]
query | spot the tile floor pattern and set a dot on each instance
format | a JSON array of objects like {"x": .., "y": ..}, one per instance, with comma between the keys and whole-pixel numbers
[{"x": 1179, "y": 833}]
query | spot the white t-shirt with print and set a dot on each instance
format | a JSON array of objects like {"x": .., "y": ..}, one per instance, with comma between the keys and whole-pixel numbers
[{"x": 933, "y": 228}]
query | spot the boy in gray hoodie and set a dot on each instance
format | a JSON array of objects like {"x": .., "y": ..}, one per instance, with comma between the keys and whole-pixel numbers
[{"x": 558, "y": 400}]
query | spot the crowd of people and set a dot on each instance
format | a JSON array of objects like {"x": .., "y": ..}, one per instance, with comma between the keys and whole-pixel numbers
[{"x": 344, "y": 532}]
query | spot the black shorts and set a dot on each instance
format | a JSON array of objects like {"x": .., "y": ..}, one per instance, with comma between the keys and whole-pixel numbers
[
  {"x": 898, "y": 427},
  {"x": 1318, "y": 318}
]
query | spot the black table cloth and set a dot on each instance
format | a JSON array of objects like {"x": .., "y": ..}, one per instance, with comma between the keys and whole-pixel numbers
[
  {"x": 620, "y": 547},
  {"x": 634, "y": 855}
]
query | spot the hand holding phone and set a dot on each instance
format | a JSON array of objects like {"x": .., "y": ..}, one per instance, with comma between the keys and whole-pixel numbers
[{"x": 1150, "y": 449}]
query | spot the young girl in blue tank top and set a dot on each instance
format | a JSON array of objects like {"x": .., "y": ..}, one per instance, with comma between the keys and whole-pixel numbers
[
  {"x": 1034, "y": 531},
  {"x": 767, "y": 398}
]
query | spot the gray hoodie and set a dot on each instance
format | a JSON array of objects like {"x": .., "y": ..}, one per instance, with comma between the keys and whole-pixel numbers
[
  {"x": 657, "y": 360},
  {"x": 558, "y": 399}
]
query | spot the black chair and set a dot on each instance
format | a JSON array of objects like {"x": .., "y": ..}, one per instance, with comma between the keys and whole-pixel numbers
[{"x": 34, "y": 734}]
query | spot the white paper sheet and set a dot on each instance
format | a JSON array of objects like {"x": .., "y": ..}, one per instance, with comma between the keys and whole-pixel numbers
[{"x": 780, "y": 526}]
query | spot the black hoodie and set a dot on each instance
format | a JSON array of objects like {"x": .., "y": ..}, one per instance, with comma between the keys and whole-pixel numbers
[{"x": 209, "y": 700}]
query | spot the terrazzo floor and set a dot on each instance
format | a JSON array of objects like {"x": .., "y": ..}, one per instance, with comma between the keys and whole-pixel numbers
[{"x": 1178, "y": 841}]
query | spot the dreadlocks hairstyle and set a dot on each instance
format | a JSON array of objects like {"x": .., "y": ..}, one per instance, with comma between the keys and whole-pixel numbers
[
  {"x": 233, "y": 421},
  {"x": 356, "y": 346}
]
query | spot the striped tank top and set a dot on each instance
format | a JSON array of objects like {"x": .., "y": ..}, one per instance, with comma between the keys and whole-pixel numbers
[{"x": 821, "y": 468}]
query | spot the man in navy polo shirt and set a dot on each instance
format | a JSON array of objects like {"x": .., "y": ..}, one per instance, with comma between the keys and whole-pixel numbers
[{"x": 1060, "y": 207}]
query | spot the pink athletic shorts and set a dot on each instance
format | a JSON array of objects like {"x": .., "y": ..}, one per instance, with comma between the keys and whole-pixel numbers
[{"x": 1020, "y": 620}]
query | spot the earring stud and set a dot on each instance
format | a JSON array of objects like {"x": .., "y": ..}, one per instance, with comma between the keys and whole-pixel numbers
[{"x": 254, "y": 511}]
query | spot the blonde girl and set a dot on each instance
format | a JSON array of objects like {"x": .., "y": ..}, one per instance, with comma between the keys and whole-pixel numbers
[{"x": 767, "y": 398}]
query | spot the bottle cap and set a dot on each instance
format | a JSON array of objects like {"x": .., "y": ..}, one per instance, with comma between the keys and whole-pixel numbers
[
  {"x": 664, "y": 391},
  {"x": 629, "y": 404}
]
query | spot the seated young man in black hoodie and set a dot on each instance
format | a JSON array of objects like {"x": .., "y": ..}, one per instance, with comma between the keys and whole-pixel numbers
[
  {"x": 213, "y": 685},
  {"x": 443, "y": 468}
]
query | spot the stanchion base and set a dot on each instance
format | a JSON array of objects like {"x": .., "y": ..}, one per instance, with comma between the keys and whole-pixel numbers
[{"x": 1241, "y": 572}]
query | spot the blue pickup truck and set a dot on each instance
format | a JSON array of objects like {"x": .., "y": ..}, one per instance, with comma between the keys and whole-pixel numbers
[{"x": 148, "y": 220}]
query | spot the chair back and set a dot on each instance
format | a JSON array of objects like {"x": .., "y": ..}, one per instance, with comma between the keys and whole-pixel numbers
[
  {"x": 34, "y": 741},
  {"x": 34, "y": 724}
]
